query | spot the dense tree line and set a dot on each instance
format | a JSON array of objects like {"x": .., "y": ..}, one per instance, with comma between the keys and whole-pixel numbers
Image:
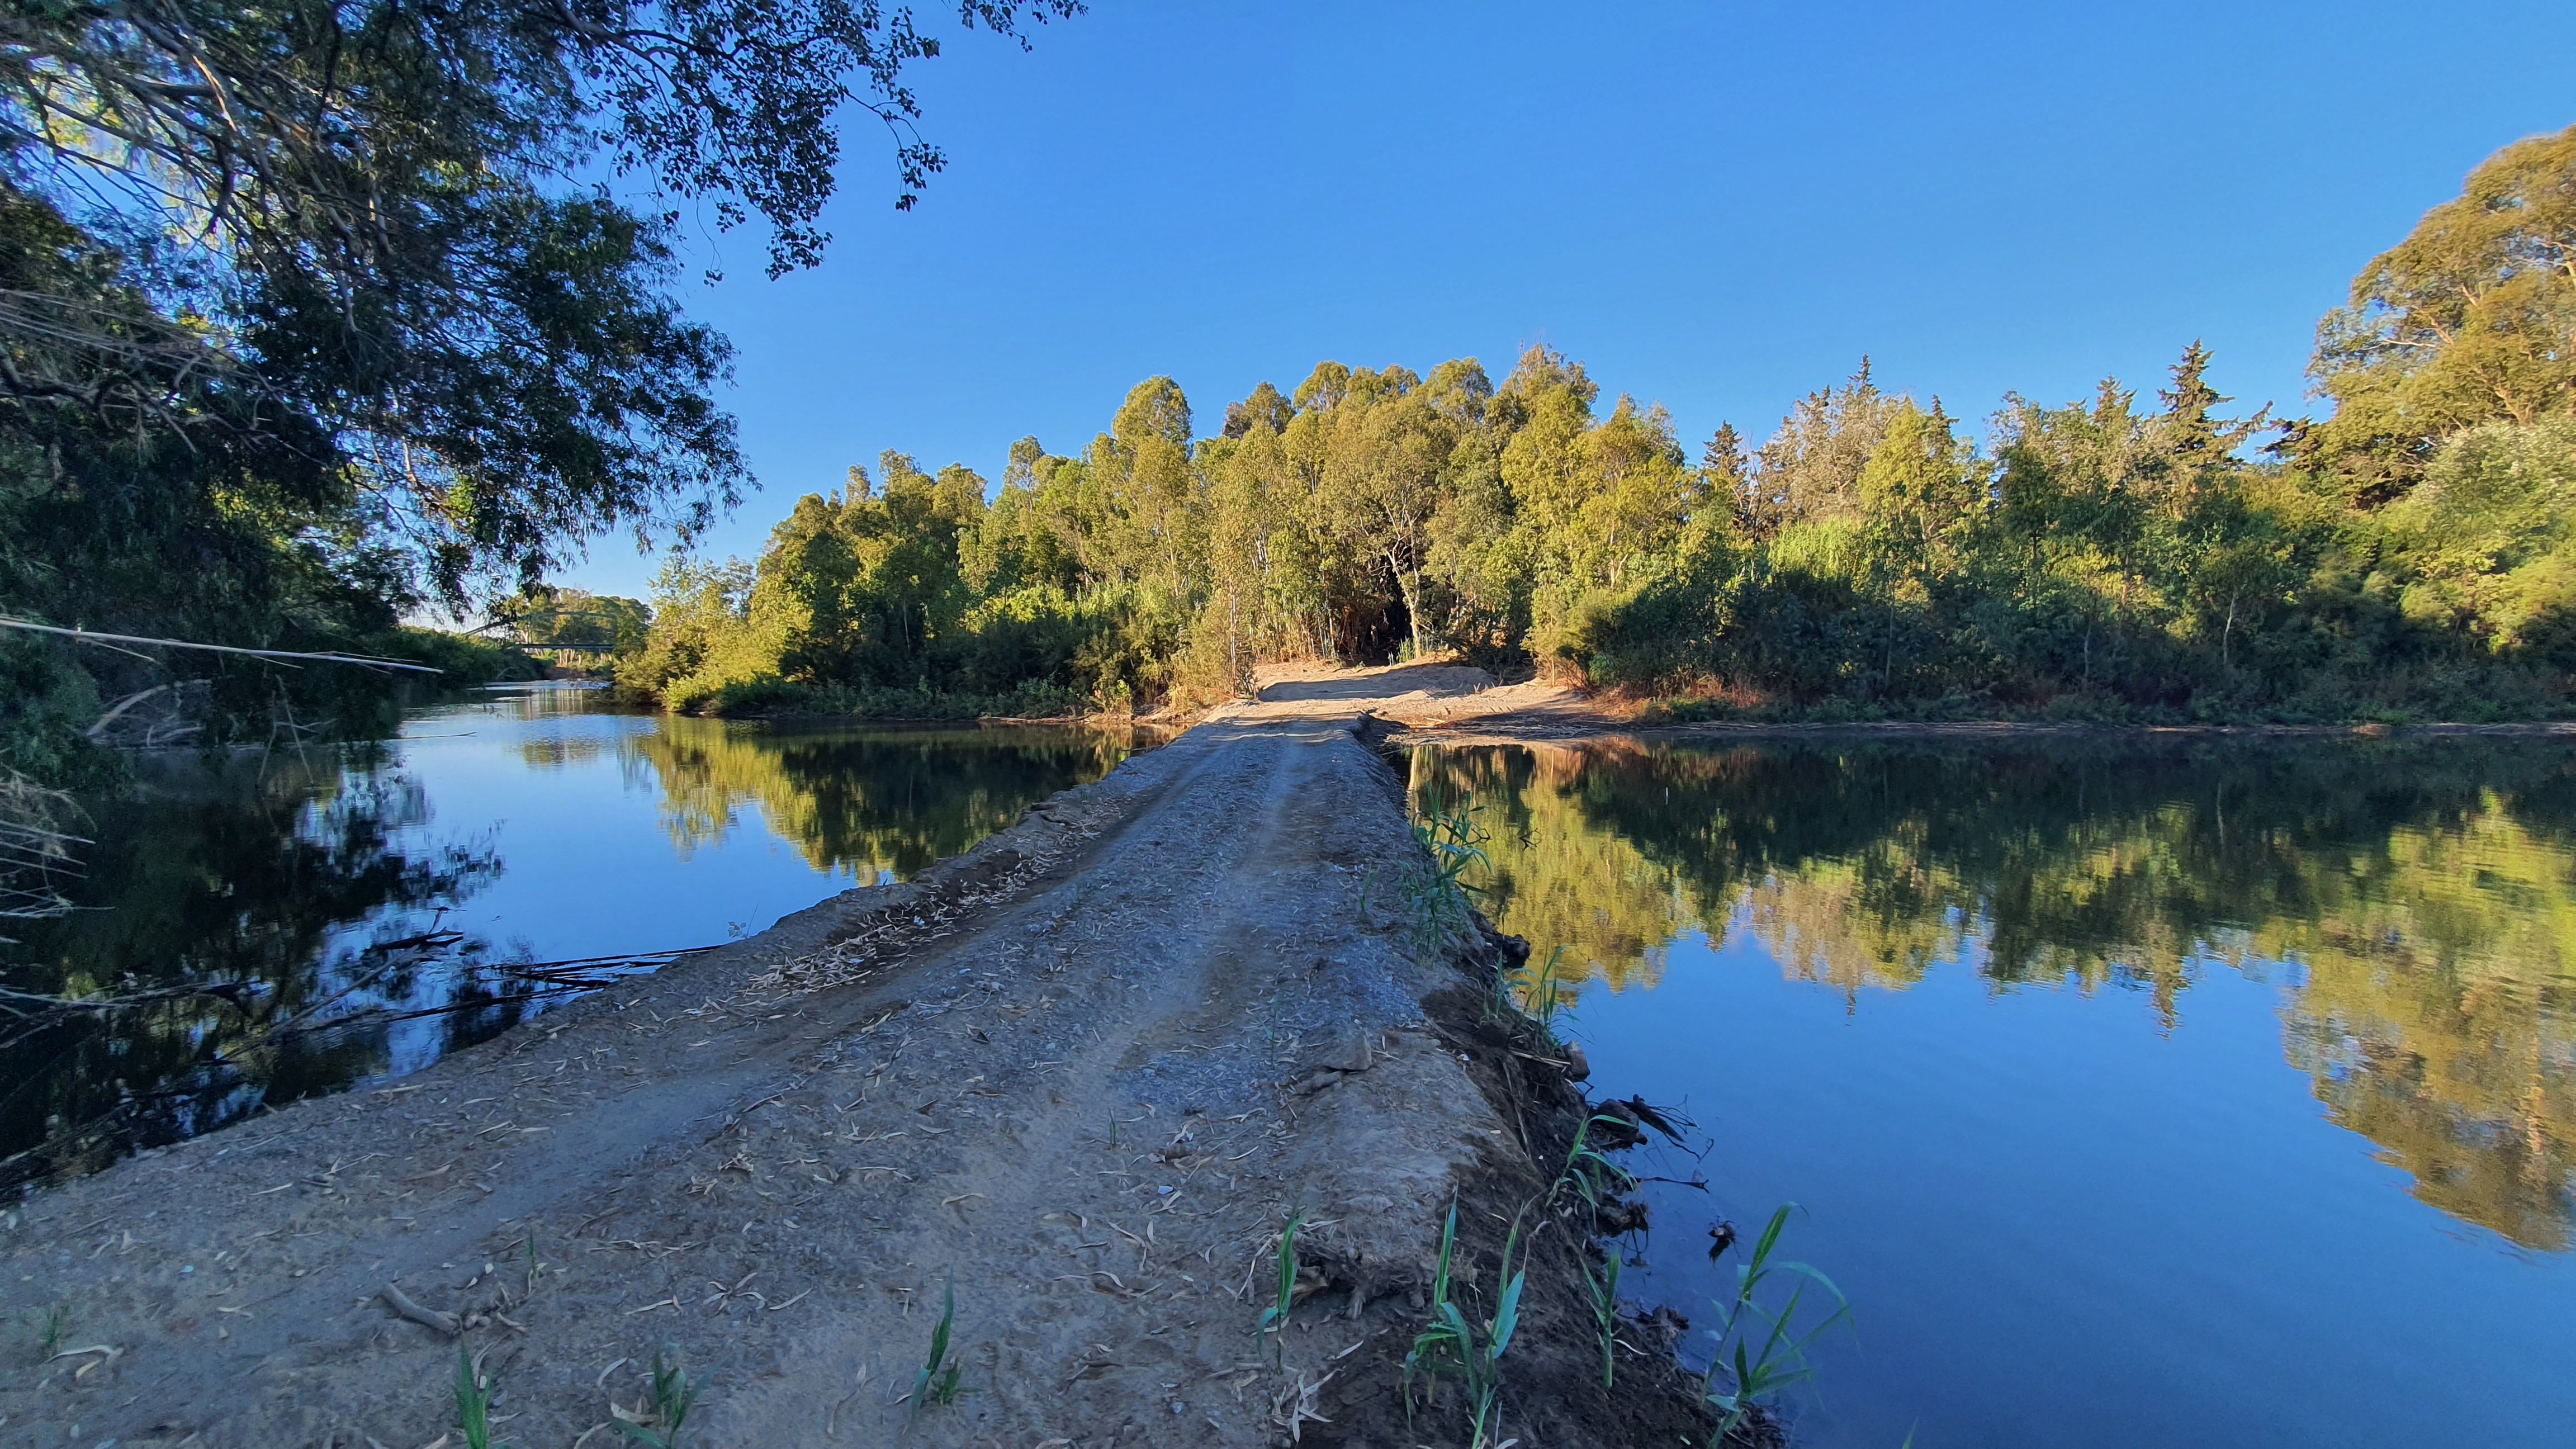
[{"x": 2118, "y": 555}]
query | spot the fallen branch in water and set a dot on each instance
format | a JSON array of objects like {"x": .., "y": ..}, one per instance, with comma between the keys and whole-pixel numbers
[
  {"x": 32, "y": 852},
  {"x": 110, "y": 641}
]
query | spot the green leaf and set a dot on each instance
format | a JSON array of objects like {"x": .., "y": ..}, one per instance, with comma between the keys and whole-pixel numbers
[{"x": 1507, "y": 1314}]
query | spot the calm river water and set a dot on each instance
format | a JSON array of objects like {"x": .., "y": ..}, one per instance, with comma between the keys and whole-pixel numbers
[
  {"x": 396, "y": 888},
  {"x": 2133, "y": 1094}
]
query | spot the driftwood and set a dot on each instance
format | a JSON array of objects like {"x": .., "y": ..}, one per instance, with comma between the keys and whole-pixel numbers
[{"x": 400, "y": 1302}]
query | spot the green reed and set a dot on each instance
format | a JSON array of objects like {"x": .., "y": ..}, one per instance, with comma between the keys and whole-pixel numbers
[
  {"x": 1455, "y": 1347},
  {"x": 1761, "y": 1350}
]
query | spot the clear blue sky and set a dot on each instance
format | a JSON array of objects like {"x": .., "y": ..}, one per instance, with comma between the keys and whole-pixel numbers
[{"x": 1715, "y": 206}]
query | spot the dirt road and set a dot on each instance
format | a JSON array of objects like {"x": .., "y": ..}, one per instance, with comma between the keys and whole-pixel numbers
[{"x": 1082, "y": 1077}]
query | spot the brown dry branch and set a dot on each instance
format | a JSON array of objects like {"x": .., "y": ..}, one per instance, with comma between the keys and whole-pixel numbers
[
  {"x": 402, "y": 1303},
  {"x": 33, "y": 854}
]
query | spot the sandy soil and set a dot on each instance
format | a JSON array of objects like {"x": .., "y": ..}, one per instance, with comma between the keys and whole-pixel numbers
[
  {"x": 1457, "y": 704},
  {"x": 1082, "y": 1076},
  {"x": 1418, "y": 696}
]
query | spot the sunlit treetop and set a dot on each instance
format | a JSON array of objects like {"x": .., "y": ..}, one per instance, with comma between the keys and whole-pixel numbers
[{"x": 2471, "y": 319}]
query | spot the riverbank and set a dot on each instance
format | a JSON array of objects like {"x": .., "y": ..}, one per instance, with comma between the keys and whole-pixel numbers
[
  {"x": 1082, "y": 1076},
  {"x": 1451, "y": 704},
  {"x": 1448, "y": 702},
  {"x": 1570, "y": 727}
]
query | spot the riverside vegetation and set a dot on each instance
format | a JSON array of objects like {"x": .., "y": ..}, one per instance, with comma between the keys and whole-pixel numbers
[
  {"x": 2408, "y": 555},
  {"x": 314, "y": 316},
  {"x": 187, "y": 449}
]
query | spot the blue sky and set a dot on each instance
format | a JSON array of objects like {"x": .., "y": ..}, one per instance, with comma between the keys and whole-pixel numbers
[{"x": 1716, "y": 206}]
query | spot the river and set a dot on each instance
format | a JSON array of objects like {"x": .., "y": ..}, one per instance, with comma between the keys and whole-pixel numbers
[
  {"x": 2133, "y": 1093},
  {"x": 385, "y": 900}
]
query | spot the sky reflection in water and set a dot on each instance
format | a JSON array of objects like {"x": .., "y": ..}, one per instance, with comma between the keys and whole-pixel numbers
[{"x": 2136, "y": 1094}]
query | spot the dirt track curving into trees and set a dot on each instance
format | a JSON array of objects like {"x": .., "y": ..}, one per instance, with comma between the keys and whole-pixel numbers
[{"x": 1083, "y": 1075}]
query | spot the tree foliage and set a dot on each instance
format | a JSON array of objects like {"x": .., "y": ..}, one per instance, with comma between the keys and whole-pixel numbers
[
  {"x": 2471, "y": 319},
  {"x": 2102, "y": 558},
  {"x": 331, "y": 296}
]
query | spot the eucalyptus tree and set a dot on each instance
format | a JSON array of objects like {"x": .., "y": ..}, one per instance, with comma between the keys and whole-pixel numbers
[
  {"x": 1148, "y": 518},
  {"x": 1385, "y": 449},
  {"x": 2489, "y": 534}
]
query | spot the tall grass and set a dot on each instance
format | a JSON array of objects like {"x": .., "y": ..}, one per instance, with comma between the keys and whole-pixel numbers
[{"x": 35, "y": 858}]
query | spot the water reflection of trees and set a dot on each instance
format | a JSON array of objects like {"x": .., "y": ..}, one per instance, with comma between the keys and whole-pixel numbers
[
  {"x": 2423, "y": 897},
  {"x": 863, "y": 800},
  {"x": 297, "y": 899},
  {"x": 558, "y": 752},
  {"x": 277, "y": 892}
]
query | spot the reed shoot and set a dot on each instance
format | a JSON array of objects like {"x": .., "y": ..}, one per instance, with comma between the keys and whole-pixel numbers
[
  {"x": 1761, "y": 1350},
  {"x": 1450, "y": 837},
  {"x": 1540, "y": 1003},
  {"x": 1454, "y": 1347},
  {"x": 1592, "y": 1176},
  {"x": 473, "y": 1402},
  {"x": 937, "y": 1383},
  {"x": 1274, "y": 1319},
  {"x": 673, "y": 1396},
  {"x": 1605, "y": 1309}
]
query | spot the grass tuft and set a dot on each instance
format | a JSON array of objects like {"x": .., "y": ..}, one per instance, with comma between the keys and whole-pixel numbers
[
  {"x": 1274, "y": 1319},
  {"x": 938, "y": 1382},
  {"x": 1454, "y": 1347},
  {"x": 53, "y": 1327},
  {"x": 674, "y": 1394}
]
